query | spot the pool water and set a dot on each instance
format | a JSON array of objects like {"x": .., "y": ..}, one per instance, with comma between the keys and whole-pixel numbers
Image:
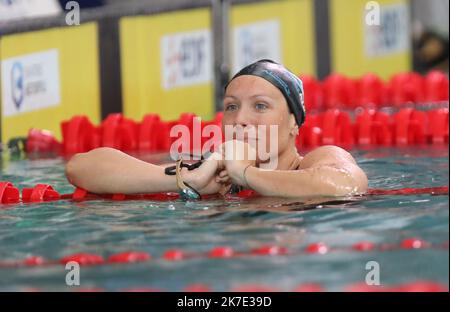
[{"x": 60, "y": 228}]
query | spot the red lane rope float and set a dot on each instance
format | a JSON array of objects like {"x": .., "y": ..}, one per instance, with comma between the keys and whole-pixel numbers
[
  {"x": 439, "y": 190},
  {"x": 45, "y": 192},
  {"x": 39, "y": 193},
  {"x": 8, "y": 193},
  {"x": 417, "y": 286},
  {"x": 223, "y": 253},
  {"x": 79, "y": 135},
  {"x": 41, "y": 141}
]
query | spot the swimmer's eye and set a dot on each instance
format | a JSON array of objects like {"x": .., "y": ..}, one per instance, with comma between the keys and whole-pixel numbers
[
  {"x": 231, "y": 107},
  {"x": 260, "y": 106}
]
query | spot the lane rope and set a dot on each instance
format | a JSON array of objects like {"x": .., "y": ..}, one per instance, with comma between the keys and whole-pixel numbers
[
  {"x": 9, "y": 194},
  {"x": 222, "y": 252}
]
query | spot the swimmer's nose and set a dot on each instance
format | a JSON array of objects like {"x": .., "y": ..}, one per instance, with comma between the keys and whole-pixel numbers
[{"x": 242, "y": 118}]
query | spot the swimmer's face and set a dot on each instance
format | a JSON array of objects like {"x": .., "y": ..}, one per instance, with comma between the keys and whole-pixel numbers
[{"x": 251, "y": 101}]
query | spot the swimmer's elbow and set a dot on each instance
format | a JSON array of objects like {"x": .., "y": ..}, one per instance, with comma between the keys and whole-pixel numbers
[
  {"x": 73, "y": 169},
  {"x": 353, "y": 181},
  {"x": 78, "y": 164},
  {"x": 331, "y": 180},
  {"x": 84, "y": 169},
  {"x": 362, "y": 182}
]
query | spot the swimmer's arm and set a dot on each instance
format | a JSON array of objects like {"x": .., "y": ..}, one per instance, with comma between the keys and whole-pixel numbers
[
  {"x": 110, "y": 171},
  {"x": 316, "y": 181},
  {"x": 328, "y": 171}
]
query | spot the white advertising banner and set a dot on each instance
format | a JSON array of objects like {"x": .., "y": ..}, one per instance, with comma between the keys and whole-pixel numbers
[
  {"x": 30, "y": 82},
  {"x": 255, "y": 41},
  {"x": 17, "y": 9},
  {"x": 186, "y": 59},
  {"x": 391, "y": 35}
]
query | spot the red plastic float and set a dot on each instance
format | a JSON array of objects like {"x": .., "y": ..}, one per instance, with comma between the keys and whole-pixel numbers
[
  {"x": 42, "y": 141},
  {"x": 129, "y": 257},
  {"x": 9, "y": 194},
  {"x": 371, "y": 91},
  {"x": 317, "y": 248},
  {"x": 79, "y": 135},
  {"x": 438, "y": 122},
  {"x": 382, "y": 129},
  {"x": 270, "y": 250},
  {"x": 314, "y": 95},
  {"x": 34, "y": 261},
  {"x": 363, "y": 246},
  {"x": 40, "y": 193},
  {"x": 83, "y": 259},
  {"x": 221, "y": 252},
  {"x": 414, "y": 243},
  {"x": 436, "y": 87},
  {"x": 339, "y": 91},
  {"x": 174, "y": 255}
]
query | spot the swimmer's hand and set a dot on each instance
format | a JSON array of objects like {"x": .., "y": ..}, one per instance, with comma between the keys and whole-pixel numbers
[
  {"x": 237, "y": 156},
  {"x": 203, "y": 179}
]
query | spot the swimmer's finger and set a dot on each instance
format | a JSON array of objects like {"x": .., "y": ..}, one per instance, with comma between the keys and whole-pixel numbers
[
  {"x": 222, "y": 177},
  {"x": 223, "y": 180}
]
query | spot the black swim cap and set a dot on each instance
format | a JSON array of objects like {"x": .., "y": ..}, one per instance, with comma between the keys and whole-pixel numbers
[{"x": 289, "y": 84}]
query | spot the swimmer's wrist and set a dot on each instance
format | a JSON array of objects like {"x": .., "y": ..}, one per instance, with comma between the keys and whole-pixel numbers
[
  {"x": 190, "y": 177},
  {"x": 244, "y": 175},
  {"x": 240, "y": 175}
]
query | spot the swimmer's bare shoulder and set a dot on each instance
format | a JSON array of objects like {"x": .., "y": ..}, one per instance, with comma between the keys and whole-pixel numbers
[{"x": 336, "y": 158}]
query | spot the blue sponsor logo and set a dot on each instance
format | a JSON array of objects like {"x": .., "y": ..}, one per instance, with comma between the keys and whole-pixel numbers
[
  {"x": 17, "y": 84},
  {"x": 7, "y": 2}
]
